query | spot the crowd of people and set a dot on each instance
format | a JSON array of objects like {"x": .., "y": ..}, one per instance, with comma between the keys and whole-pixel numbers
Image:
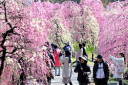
[{"x": 62, "y": 58}]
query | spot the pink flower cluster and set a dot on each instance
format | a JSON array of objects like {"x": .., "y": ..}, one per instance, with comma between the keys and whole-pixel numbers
[{"x": 113, "y": 36}]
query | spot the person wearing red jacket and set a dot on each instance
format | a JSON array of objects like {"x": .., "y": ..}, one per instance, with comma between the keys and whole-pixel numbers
[{"x": 57, "y": 53}]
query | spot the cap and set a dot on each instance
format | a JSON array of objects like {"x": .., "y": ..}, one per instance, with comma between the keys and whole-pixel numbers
[{"x": 99, "y": 57}]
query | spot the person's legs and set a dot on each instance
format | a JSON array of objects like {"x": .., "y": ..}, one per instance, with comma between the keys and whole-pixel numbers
[
  {"x": 80, "y": 83},
  {"x": 102, "y": 82},
  {"x": 55, "y": 71},
  {"x": 58, "y": 71},
  {"x": 84, "y": 83},
  {"x": 70, "y": 83},
  {"x": 105, "y": 82},
  {"x": 98, "y": 82},
  {"x": 120, "y": 82},
  {"x": 49, "y": 81}
]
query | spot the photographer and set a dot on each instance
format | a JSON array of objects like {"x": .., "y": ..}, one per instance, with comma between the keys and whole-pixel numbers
[{"x": 83, "y": 71}]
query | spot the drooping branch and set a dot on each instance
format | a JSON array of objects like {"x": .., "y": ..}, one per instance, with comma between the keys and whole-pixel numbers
[
  {"x": 58, "y": 36},
  {"x": 4, "y": 37}
]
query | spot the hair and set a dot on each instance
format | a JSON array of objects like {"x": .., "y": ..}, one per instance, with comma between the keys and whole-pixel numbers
[
  {"x": 54, "y": 46},
  {"x": 123, "y": 55},
  {"x": 85, "y": 62},
  {"x": 84, "y": 44},
  {"x": 99, "y": 56},
  {"x": 80, "y": 46},
  {"x": 79, "y": 58},
  {"x": 47, "y": 42}
]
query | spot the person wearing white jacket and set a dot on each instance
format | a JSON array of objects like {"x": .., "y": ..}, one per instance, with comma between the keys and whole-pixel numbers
[{"x": 119, "y": 68}]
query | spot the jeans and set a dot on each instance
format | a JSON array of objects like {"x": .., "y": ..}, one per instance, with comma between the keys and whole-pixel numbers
[{"x": 57, "y": 71}]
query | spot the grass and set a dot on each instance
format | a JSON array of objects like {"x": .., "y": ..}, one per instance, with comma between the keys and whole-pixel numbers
[
  {"x": 125, "y": 81},
  {"x": 115, "y": 80}
]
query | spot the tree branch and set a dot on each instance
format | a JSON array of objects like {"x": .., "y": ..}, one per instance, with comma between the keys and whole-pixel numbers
[
  {"x": 1, "y": 2},
  {"x": 5, "y": 35},
  {"x": 1, "y": 51}
]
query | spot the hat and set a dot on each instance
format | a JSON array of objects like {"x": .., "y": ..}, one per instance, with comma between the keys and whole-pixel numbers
[
  {"x": 99, "y": 57},
  {"x": 84, "y": 58}
]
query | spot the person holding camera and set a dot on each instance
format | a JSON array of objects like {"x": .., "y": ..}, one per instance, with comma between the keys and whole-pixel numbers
[{"x": 83, "y": 71}]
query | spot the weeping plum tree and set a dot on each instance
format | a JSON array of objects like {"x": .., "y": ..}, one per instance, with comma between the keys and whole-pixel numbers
[
  {"x": 19, "y": 47},
  {"x": 9, "y": 37},
  {"x": 113, "y": 34},
  {"x": 76, "y": 18},
  {"x": 5, "y": 36},
  {"x": 24, "y": 29}
]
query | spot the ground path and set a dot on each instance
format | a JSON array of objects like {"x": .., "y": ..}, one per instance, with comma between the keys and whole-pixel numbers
[{"x": 58, "y": 79}]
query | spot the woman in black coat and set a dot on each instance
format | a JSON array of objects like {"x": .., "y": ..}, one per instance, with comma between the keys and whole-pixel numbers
[{"x": 83, "y": 71}]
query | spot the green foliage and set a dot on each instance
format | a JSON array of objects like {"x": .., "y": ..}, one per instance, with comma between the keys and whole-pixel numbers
[
  {"x": 112, "y": 79},
  {"x": 126, "y": 70},
  {"x": 76, "y": 46},
  {"x": 126, "y": 81},
  {"x": 90, "y": 48}
]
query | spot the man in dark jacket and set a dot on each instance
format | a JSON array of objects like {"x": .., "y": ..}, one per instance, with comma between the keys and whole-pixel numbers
[
  {"x": 67, "y": 49},
  {"x": 100, "y": 71},
  {"x": 83, "y": 71}
]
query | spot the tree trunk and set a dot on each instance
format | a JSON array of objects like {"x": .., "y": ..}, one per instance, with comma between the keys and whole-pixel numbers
[{"x": 2, "y": 62}]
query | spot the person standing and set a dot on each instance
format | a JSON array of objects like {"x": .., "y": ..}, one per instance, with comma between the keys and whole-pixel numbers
[
  {"x": 57, "y": 53},
  {"x": 83, "y": 71},
  {"x": 80, "y": 52},
  {"x": 100, "y": 71},
  {"x": 119, "y": 64},
  {"x": 67, "y": 50},
  {"x": 66, "y": 71},
  {"x": 84, "y": 51}
]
